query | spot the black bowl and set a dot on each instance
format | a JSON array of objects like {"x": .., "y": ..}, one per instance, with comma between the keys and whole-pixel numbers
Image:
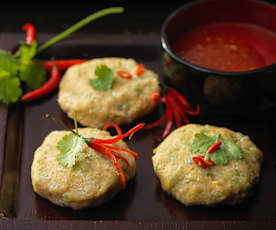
[{"x": 231, "y": 92}]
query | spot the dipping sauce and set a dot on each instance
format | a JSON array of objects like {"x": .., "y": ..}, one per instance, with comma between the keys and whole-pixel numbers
[{"x": 230, "y": 47}]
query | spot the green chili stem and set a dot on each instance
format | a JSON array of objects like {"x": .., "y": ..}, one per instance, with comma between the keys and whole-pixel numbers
[
  {"x": 80, "y": 24},
  {"x": 75, "y": 122}
]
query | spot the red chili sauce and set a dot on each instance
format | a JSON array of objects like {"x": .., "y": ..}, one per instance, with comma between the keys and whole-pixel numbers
[{"x": 230, "y": 47}]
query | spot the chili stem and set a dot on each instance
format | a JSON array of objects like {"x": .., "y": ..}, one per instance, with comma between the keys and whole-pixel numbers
[
  {"x": 78, "y": 25},
  {"x": 75, "y": 122}
]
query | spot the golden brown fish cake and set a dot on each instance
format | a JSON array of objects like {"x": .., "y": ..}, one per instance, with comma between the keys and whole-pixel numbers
[
  {"x": 124, "y": 102},
  {"x": 92, "y": 181},
  {"x": 193, "y": 185}
]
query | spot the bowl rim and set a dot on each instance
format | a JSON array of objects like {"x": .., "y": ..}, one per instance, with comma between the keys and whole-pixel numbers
[{"x": 165, "y": 45}]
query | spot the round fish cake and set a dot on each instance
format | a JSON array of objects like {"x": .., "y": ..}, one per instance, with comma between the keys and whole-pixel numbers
[
  {"x": 227, "y": 183},
  {"x": 90, "y": 182},
  {"x": 124, "y": 102}
]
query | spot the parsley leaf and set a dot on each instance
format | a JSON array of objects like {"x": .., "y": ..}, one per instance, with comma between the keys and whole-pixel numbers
[
  {"x": 10, "y": 89},
  {"x": 227, "y": 151},
  {"x": 70, "y": 147},
  {"x": 104, "y": 80},
  {"x": 33, "y": 74}
]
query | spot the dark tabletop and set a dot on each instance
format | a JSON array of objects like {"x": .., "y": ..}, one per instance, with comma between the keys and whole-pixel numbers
[{"x": 139, "y": 16}]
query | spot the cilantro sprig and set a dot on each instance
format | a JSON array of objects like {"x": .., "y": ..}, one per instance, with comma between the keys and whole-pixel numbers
[
  {"x": 25, "y": 69},
  {"x": 70, "y": 146},
  {"x": 104, "y": 80},
  {"x": 228, "y": 149}
]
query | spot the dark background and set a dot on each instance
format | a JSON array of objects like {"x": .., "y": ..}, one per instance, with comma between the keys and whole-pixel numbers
[
  {"x": 139, "y": 16},
  {"x": 55, "y": 16}
]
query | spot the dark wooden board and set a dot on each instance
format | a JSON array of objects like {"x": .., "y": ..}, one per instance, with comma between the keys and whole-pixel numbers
[{"x": 143, "y": 205}]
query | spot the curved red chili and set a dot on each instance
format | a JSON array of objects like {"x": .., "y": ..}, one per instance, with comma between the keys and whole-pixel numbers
[
  {"x": 48, "y": 87},
  {"x": 140, "y": 70},
  {"x": 214, "y": 147},
  {"x": 200, "y": 162},
  {"x": 62, "y": 64},
  {"x": 30, "y": 32},
  {"x": 124, "y": 74},
  {"x": 176, "y": 108},
  {"x": 102, "y": 146}
]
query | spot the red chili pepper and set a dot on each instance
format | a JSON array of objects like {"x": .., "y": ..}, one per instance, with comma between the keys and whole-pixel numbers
[
  {"x": 48, "y": 87},
  {"x": 118, "y": 129},
  {"x": 182, "y": 100},
  {"x": 140, "y": 70},
  {"x": 176, "y": 107},
  {"x": 169, "y": 115},
  {"x": 210, "y": 162},
  {"x": 102, "y": 146},
  {"x": 123, "y": 150},
  {"x": 203, "y": 161},
  {"x": 214, "y": 147},
  {"x": 175, "y": 110},
  {"x": 119, "y": 137},
  {"x": 30, "y": 33},
  {"x": 200, "y": 162},
  {"x": 124, "y": 74},
  {"x": 62, "y": 64}
]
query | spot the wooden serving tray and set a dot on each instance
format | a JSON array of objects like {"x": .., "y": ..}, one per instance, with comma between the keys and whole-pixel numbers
[{"x": 143, "y": 205}]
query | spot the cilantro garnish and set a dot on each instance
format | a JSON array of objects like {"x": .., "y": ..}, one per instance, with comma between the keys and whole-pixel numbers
[
  {"x": 10, "y": 89},
  {"x": 70, "y": 146},
  {"x": 17, "y": 68},
  {"x": 104, "y": 80},
  {"x": 8, "y": 63},
  {"x": 33, "y": 74},
  {"x": 24, "y": 67},
  {"x": 228, "y": 149}
]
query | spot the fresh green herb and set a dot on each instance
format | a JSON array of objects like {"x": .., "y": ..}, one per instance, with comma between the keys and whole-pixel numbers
[
  {"x": 27, "y": 52},
  {"x": 9, "y": 63},
  {"x": 191, "y": 179},
  {"x": 70, "y": 146},
  {"x": 80, "y": 24},
  {"x": 138, "y": 89},
  {"x": 227, "y": 151},
  {"x": 76, "y": 123},
  {"x": 33, "y": 74},
  {"x": 10, "y": 89},
  {"x": 24, "y": 67},
  {"x": 104, "y": 80},
  {"x": 235, "y": 181},
  {"x": 210, "y": 175}
]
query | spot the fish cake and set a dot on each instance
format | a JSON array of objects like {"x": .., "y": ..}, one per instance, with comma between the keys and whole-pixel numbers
[
  {"x": 92, "y": 181},
  {"x": 124, "y": 102},
  {"x": 190, "y": 184}
]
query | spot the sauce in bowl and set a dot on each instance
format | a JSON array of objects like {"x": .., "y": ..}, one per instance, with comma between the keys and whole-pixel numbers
[{"x": 229, "y": 47}]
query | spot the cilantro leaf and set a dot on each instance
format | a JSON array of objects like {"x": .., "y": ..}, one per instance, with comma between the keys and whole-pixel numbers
[
  {"x": 27, "y": 52},
  {"x": 8, "y": 62},
  {"x": 104, "y": 80},
  {"x": 70, "y": 147},
  {"x": 10, "y": 89},
  {"x": 33, "y": 74},
  {"x": 227, "y": 151}
]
